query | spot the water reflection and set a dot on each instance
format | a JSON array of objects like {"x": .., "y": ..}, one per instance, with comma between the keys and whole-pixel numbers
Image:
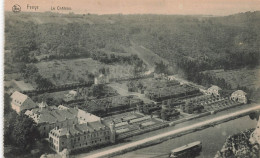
[{"x": 212, "y": 139}]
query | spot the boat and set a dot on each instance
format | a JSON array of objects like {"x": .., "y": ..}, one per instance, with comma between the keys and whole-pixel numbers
[{"x": 190, "y": 150}]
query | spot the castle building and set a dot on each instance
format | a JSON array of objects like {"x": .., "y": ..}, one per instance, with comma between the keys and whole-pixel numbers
[
  {"x": 239, "y": 96},
  {"x": 81, "y": 136},
  {"x": 50, "y": 117},
  {"x": 21, "y": 102}
]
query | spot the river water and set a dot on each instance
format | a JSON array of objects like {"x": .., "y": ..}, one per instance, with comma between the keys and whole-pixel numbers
[{"x": 212, "y": 139}]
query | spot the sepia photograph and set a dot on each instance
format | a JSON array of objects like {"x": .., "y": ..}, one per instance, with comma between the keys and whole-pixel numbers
[{"x": 131, "y": 79}]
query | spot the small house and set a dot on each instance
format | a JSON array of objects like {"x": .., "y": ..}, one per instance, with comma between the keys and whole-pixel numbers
[
  {"x": 214, "y": 90},
  {"x": 21, "y": 102},
  {"x": 239, "y": 96}
]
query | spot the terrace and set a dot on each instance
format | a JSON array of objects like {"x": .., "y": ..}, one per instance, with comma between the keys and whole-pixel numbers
[
  {"x": 130, "y": 122},
  {"x": 159, "y": 94},
  {"x": 110, "y": 105},
  {"x": 211, "y": 103}
]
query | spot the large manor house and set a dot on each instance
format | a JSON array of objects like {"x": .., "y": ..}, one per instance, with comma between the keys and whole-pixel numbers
[
  {"x": 72, "y": 129},
  {"x": 68, "y": 129}
]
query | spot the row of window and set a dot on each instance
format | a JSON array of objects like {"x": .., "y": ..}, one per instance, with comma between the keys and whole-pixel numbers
[
  {"x": 93, "y": 135},
  {"x": 17, "y": 102},
  {"x": 53, "y": 146},
  {"x": 93, "y": 142}
]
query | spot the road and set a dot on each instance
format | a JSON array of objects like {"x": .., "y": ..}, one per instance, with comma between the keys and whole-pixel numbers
[
  {"x": 178, "y": 78},
  {"x": 133, "y": 145}
]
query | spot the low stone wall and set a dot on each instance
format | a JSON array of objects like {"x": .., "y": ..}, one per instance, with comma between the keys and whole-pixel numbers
[
  {"x": 189, "y": 118},
  {"x": 222, "y": 109},
  {"x": 57, "y": 88},
  {"x": 203, "y": 114},
  {"x": 198, "y": 116}
]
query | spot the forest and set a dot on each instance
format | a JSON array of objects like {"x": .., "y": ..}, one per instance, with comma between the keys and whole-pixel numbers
[{"x": 191, "y": 44}]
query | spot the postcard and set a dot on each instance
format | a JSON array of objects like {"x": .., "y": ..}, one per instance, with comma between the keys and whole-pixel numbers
[{"x": 131, "y": 78}]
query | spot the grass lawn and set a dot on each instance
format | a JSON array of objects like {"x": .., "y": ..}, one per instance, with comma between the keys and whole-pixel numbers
[{"x": 73, "y": 71}]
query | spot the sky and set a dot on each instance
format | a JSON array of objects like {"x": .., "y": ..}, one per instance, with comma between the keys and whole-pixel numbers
[{"x": 185, "y": 7}]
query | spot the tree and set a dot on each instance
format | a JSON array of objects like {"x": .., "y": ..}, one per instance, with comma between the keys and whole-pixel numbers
[
  {"x": 21, "y": 131},
  {"x": 9, "y": 120},
  {"x": 25, "y": 132},
  {"x": 7, "y": 104},
  {"x": 161, "y": 68}
]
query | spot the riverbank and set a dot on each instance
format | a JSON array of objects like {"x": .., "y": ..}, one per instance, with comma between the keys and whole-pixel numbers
[
  {"x": 175, "y": 133},
  {"x": 238, "y": 145},
  {"x": 212, "y": 139}
]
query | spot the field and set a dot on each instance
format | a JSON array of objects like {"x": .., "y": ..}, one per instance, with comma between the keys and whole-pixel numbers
[
  {"x": 73, "y": 71},
  {"x": 241, "y": 77},
  {"x": 149, "y": 57}
]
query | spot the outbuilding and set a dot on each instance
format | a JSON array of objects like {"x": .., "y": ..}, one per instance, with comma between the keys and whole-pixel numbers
[
  {"x": 214, "y": 90},
  {"x": 239, "y": 96}
]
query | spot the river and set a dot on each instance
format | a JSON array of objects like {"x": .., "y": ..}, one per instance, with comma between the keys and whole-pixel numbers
[{"x": 212, "y": 140}]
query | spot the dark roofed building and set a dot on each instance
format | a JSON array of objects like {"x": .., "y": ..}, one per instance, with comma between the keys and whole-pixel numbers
[{"x": 48, "y": 118}]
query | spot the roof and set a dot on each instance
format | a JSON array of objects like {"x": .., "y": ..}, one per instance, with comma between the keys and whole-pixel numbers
[
  {"x": 186, "y": 146},
  {"x": 239, "y": 92},
  {"x": 80, "y": 128},
  {"x": 51, "y": 115},
  {"x": 215, "y": 87},
  {"x": 19, "y": 96},
  {"x": 87, "y": 117}
]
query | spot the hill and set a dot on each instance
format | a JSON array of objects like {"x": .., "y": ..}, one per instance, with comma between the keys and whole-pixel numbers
[{"x": 190, "y": 44}]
